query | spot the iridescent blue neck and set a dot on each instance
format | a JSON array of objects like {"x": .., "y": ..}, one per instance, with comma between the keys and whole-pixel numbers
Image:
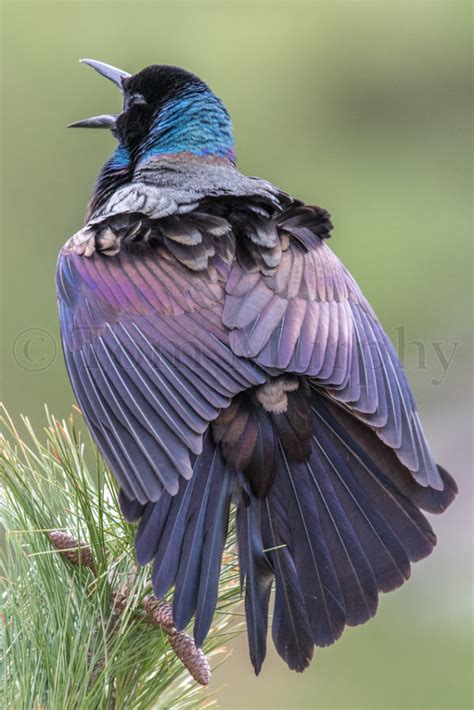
[{"x": 194, "y": 122}]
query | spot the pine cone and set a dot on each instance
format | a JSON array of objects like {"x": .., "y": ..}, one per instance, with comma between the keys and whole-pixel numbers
[
  {"x": 191, "y": 657},
  {"x": 160, "y": 613},
  {"x": 77, "y": 552}
]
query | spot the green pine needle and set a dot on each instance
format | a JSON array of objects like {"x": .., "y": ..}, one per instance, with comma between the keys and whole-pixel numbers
[{"x": 65, "y": 641}]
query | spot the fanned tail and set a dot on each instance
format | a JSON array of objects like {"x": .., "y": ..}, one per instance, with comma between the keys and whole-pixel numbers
[
  {"x": 334, "y": 531},
  {"x": 326, "y": 514}
]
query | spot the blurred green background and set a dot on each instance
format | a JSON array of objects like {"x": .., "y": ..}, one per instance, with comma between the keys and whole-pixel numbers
[{"x": 362, "y": 107}]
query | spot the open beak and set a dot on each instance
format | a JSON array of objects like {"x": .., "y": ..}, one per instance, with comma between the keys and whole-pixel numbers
[
  {"x": 107, "y": 120},
  {"x": 116, "y": 76}
]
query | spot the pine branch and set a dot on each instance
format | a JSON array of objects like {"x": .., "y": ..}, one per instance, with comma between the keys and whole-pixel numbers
[{"x": 80, "y": 627}]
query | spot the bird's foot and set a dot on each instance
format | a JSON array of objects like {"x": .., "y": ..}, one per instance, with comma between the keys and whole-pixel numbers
[{"x": 91, "y": 239}]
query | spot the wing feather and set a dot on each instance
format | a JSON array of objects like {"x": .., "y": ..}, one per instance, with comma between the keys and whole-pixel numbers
[
  {"x": 150, "y": 360},
  {"x": 314, "y": 321}
]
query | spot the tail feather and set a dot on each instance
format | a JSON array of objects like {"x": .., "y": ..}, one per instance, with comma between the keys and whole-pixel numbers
[
  {"x": 151, "y": 527},
  {"x": 355, "y": 574},
  {"x": 321, "y": 590},
  {"x": 217, "y": 517},
  {"x": 198, "y": 573},
  {"x": 131, "y": 509},
  {"x": 257, "y": 573},
  {"x": 187, "y": 579},
  {"x": 405, "y": 518},
  {"x": 166, "y": 561},
  {"x": 291, "y": 630},
  {"x": 185, "y": 536},
  {"x": 183, "y": 507},
  {"x": 364, "y": 444},
  {"x": 382, "y": 547}
]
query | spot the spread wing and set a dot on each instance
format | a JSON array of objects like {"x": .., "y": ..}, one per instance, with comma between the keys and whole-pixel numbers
[
  {"x": 308, "y": 316},
  {"x": 149, "y": 359}
]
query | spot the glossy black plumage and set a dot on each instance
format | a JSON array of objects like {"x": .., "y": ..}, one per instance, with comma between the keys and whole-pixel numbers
[{"x": 222, "y": 355}]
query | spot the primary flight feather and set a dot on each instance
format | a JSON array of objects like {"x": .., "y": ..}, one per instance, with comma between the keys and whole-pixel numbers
[{"x": 222, "y": 354}]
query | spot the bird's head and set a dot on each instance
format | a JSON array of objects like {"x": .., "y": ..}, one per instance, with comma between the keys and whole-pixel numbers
[{"x": 167, "y": 111}]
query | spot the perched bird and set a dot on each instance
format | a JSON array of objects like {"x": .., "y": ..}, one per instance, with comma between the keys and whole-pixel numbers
[{"x": 223, "y": 356}]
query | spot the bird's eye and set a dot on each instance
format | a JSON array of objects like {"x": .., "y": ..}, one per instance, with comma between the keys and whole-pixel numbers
[{"x": 133, "y": 100}]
